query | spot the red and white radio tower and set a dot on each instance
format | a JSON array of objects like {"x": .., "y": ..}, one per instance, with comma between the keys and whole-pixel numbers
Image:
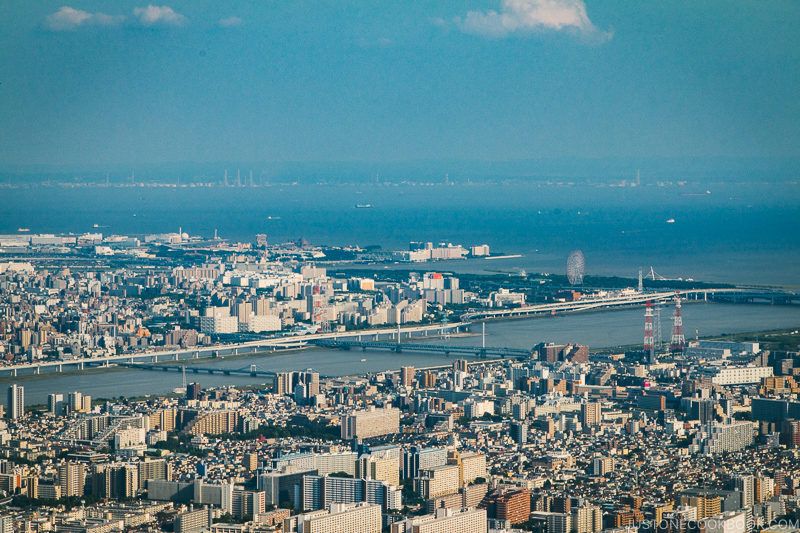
[
  {"x": 649, "y": 341},
  {"x": 678, "y": 341}
]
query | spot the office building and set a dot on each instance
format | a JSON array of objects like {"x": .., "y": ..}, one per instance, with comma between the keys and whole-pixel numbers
[{"x": 193, "y": 391}]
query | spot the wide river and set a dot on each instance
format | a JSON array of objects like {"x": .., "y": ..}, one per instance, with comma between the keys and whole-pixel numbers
[{"x": 606, "y": 329}]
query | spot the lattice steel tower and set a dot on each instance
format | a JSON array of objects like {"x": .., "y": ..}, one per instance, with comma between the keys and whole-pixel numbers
[
  {"x": 649, "y": 341},
  {"x": 678, "y": 341}
]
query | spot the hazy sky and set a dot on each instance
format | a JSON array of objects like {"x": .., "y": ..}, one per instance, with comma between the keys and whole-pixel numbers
[{"x": 127, "y": 82}]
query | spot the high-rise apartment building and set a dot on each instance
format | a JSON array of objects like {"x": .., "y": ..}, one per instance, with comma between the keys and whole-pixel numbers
[
  {"x": 15, "y": 405},
  {"x": 591, "y": 415},
  {"x": 745, "y": 484},
  {"x": 511, "y": 505},
  {"x": 370, "y": 423},
  {"x": 587, "y": 519},
  {"x": 445, "y": 521},
  {"x": 407, "y": 374},
  {"x": 321, "y": 491},
  {"x": 416, "y": 459},
  {"x": 438, "y": 481},
  {"x": 341, "y": 517},
  {"x": 71, "y": 478}
]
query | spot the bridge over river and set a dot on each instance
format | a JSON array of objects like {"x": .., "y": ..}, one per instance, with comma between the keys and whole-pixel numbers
[
  {"x": 420, "y": 347},
  {"x": 374, "y": 339}
]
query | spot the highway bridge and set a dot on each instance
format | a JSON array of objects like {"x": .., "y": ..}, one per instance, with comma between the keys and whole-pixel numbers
[
  {"x": 271, "y": 344},
  {"x": 738, "y": 295},
  {"x": 267, "y": 345},
  {"x": 421, "y": 347},
  {"x": 250, "y": 371}
]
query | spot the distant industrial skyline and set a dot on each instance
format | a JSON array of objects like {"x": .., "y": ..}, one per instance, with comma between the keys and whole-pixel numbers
[{"x": 92, "y": 84}]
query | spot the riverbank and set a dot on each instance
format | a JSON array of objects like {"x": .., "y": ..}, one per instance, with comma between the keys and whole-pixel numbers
[{"x": 611, "y": 329}]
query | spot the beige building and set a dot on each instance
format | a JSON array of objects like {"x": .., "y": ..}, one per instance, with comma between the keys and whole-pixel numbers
[
  {"x": 340, "y": 518},
  {"x": 163, "y": 419},
  {"x": 471, "y": 465},
  {"x": 591, "y": 414},
  {"x": 438, "y": 481},
  {"x": 192, "y": 521},
  {"x": 407, "y": 374},
  {"x": 71, "y": 478},
  {"x": 382, "y": 466},
  {"x": 153, "y": 469},
  {"x": 587, "y": 519},
  {"x": 213, "y": 423},
  {"x": 370, "y": 423},
  {"x": 445, "y": 521}
]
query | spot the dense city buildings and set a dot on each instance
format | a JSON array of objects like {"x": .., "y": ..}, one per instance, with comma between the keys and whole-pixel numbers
[{"x": 555, "y": 438}]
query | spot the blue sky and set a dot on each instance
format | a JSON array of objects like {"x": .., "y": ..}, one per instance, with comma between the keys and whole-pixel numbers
[{"x": 126, "y": 82}]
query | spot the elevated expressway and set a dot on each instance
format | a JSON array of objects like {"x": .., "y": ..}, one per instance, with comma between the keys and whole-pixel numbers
[
  {"x": 636, "y": 299},
  {"x": 269, "y": 344}
]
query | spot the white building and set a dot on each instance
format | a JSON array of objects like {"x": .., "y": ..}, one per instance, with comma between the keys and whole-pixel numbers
[
  {"x": 504, "y": 297},
  {"x": 716, "y": 437},
  {"x": 730, "y": 522},
  {"x": 218, "y": 320},
  {"x": 261, "y": 323},
  {"x": 15, "y": 407},
  {"x": 736, "y": 375}
]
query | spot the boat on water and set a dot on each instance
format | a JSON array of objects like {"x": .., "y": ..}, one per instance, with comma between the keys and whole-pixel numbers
[
  {"x": 363, "y": 206},
  {"x": 23, "y": 230},
  {"x": 273, "y": 218},
  {"x": 670, "y": 221},
  {"x": 363, "y": 360}
]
